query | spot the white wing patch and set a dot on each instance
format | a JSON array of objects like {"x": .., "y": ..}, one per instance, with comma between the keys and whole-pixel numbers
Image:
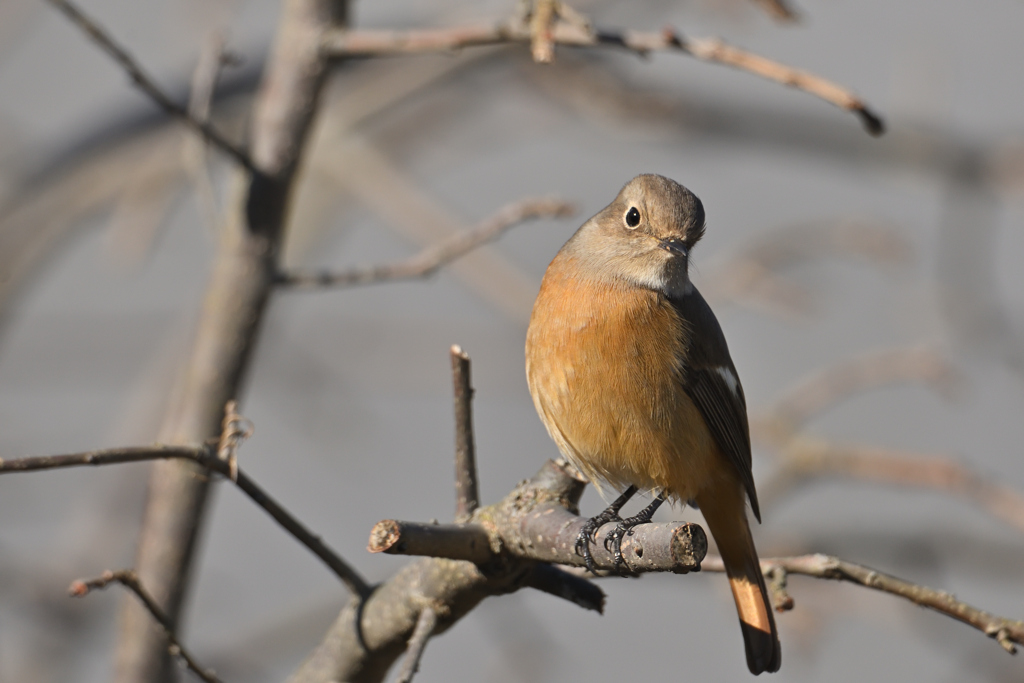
[{"x": 730, "y": 379}]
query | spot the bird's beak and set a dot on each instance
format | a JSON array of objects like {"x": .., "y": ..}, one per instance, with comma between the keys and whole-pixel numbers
[{"x": 674, "y": 246}]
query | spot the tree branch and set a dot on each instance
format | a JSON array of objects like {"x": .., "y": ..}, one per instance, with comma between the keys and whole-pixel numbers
[
  {"x": 206, "y": 457},
  {"x": 365, "y": 43},
  {"x": 425, "y": 624},
  {"x": 1005, "y": 631},
  {"x": 431, "y": 259},
  {"x": 148, "y": 86},
  {"x": 129, "y": 580},
  {"x": 240, "y": 284},
  {"x": 804, "y": 458},
  {"x": 779, "y": 9},
  {"x": 368, "y": 638},
  {"x": 467, "y": 495}
]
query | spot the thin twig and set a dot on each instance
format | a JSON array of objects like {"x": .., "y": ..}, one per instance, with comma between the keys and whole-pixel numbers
[
  {"x": 417, "y": 644},
  {"x": 467, "y": 495},
  {"x": 147, "y": 85},
  {"x": 207, "y": 458},
  {"x": 371, "y": 43},
  {"x": 129, "y": 580},
  {"x": 779, "y": 9},
  {"x": 431, "y": 259},
  {"x": 542, "y": 23},
  {"x": 1005, "y": 631},
  {"x": 212, "y": 57}
]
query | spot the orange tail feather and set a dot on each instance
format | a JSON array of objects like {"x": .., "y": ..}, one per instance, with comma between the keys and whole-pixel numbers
[{"x": 725, "y": 512}]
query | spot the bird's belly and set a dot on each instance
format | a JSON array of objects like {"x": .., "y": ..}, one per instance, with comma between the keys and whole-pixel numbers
[{"x": 609, "y": 389}]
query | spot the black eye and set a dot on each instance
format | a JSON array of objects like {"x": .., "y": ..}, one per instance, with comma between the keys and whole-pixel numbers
[{"x": 632, "y": 217}]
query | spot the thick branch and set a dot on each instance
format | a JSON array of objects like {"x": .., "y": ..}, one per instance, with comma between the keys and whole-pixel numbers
[
  {"x": 534, "y": 523},
  {"x": 1005, "y": 631},
  {"x": 229, "y": 324},
  {"x": 148, "y": 86},
  {"x": 127, "y": 578},
  {"x": 368, "y": 43},
  {"x": 431, "y": 259},
  {"x": 368, "y": 638},
  {"x": 207, "y": 458},
  {"x": 467, "y": 495}
]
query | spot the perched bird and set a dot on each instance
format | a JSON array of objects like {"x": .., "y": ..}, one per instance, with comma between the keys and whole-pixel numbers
[{"x": 631, "y": 375}]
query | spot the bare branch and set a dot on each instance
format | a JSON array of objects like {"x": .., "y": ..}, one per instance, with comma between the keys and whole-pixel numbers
[
  {"x": 129, "y": 580},
  {"x": 206, "y": 457},
  {"x": 752, "y": 275},
  {"x": 566, "y": 585},
  {"x": 779, "y": 9},
  {"x": 467, "y": 496},
  {"x": 369, "y": 43},
  {"x": 542, "y": 24},
  {"x": 431, "y": 259},
  {"x": 230, "y": 321},
  {"x": 530, "y": 524},
  {"x": 417, "y": 644},
  {"x": 825, "y": 388},
  {"x": 148, "y": 86},
  {"x": 468, "y": 542},
  {"x": 805, "y": 458},
  {"x": 1005, "y": 631}
]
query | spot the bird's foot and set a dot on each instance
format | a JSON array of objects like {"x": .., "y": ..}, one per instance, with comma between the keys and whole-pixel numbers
[
  {"x": 613, "y": 541},
  {"x": 588, "y": 533}
]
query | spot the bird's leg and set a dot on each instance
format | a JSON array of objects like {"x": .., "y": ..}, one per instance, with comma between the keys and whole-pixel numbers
[
  {"x": 613, "y": 541},
  {"x": 587, "y": 533}
]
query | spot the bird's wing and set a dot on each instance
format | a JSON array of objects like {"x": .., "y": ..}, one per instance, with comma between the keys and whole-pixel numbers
[{"x": 711, "y": 382}]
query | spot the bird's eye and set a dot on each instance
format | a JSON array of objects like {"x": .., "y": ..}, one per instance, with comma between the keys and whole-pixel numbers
[{"x": 632, "y": 217}]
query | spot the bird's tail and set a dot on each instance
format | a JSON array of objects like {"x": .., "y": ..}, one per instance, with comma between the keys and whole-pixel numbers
[{"x": 726, "y": 515}]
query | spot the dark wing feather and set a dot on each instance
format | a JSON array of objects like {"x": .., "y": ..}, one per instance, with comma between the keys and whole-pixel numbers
[{"x": 724, "y": 409}]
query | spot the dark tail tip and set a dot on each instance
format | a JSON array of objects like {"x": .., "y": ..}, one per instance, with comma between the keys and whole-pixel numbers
[{"x": 763, "y": 650}]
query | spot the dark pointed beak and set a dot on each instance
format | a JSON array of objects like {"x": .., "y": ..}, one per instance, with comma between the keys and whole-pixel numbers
[{"x": 674, "y": 246}]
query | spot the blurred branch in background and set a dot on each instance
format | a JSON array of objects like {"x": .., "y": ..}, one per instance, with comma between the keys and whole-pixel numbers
[
  {"x": 802, "y": 457},
  {"x": 753, "y": 277},
  {"x": 148, "y": 86},
  {"x": 363, "y": 43},
  {"x": 432, "y": 259}
]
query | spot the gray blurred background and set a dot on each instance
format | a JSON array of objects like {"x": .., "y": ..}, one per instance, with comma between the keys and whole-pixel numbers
[{"x": 912, "y": 240}]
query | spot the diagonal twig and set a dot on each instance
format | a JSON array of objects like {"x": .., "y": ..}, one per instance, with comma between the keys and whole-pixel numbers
[
  {"x": 149, "y": 86},
  {"x": 425, "y": 624},
  {"x": 206, "y": 457},
  {"x": 431, "y": 259},
  {"x": 1007, "y": 632},
  {"x": 376, "y": 42},
  {"x": 129, "y": 580}
]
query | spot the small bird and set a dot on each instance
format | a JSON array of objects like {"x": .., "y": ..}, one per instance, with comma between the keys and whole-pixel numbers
[{"x": 631, "y": 375}]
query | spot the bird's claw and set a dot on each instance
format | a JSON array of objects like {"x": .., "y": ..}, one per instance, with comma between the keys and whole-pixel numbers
[{"x": 588, "y": 535}]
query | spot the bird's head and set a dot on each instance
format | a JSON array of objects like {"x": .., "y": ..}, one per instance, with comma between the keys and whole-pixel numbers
[{"x": 644, "y": 236}]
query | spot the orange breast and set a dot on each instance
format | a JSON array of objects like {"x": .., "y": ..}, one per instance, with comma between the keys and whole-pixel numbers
[{"x": 604, "y": 361}]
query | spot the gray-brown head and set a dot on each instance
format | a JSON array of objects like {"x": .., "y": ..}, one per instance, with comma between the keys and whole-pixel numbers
[{"x": 644, "y": 236}]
